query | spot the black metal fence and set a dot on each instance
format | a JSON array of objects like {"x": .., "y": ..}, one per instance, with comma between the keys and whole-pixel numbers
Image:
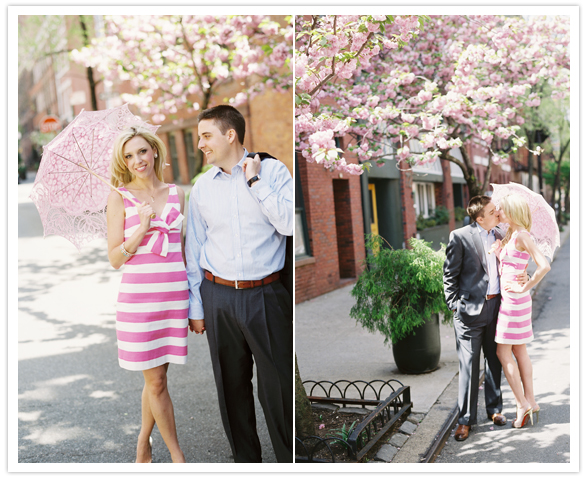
[{"x": 386, "y": 413}]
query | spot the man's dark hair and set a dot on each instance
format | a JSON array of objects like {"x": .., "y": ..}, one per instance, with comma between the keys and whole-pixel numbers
[
  {"x": 476, "y": 206},
  {"x": 226, "y": 117}
]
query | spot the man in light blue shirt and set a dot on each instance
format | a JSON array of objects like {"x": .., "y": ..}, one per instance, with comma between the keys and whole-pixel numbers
[{"x": 240, "y": 213}]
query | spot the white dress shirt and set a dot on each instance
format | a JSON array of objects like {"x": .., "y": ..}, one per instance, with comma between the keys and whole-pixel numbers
[
  {"x": 234, "y": 231},
  {"x": 487, "y": 238}
]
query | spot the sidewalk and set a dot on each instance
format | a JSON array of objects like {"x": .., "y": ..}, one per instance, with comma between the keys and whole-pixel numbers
[{"x": 330, "y": 346}]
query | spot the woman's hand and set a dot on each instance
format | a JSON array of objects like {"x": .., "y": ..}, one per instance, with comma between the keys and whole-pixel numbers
[
  {"x": 145, "y": 212},
  {"x": 495, "y": 247},
  {"x": 514, "y": 287}
]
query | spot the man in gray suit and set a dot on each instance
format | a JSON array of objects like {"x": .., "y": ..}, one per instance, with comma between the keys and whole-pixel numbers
[{"x": 472, "y": 292}]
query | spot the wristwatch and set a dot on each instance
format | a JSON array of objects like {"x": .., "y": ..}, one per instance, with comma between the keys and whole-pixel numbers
[{"x": 253, "y": 179}]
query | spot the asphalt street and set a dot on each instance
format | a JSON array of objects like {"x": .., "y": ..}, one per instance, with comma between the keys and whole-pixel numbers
[
  {"x": 75, "y": 404},
  {"x": 548, "y": 441}
]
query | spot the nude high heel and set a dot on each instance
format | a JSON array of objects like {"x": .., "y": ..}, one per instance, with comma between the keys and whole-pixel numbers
[
  {"x": 536, "y": 412},
  {"x": 527, "y": 416}
]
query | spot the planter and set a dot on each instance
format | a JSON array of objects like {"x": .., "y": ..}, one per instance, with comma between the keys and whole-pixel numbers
[{"x": 419, "y": 353}]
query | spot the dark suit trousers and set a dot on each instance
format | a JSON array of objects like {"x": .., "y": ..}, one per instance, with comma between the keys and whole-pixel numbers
[
  {"x": 472, "y": 335},
  {"x": 242, "y": 326}
]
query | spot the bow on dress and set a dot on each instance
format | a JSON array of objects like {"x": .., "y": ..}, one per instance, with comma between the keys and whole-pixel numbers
[{"x": 159, "y": 241}]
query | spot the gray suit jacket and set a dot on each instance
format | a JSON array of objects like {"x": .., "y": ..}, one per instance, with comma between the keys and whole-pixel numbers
[{"x": 465, "y": 271}]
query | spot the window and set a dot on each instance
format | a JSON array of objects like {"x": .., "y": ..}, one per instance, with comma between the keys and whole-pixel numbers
[
  {"x": 302, "y": 240},
  {"x": 173, "y": 157},
  {"x": 424, "y": 198},
  {"x": 189, "y": 150}
]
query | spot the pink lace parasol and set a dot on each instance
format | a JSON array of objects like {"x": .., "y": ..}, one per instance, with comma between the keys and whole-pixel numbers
[
  {"x": 72, "y": 185},
  {"x": 545, "y": 230}
]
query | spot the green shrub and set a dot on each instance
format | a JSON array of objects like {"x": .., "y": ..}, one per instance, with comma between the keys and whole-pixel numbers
[
  {"x": 420, "y": 222},
  {"x": 441, "y": 215},
  {"x": 399, "y": 290},
  {"x": 460, "y": 214}
]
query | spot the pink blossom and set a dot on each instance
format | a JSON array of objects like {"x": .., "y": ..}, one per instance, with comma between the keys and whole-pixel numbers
[{"x": 403, "y": 153}]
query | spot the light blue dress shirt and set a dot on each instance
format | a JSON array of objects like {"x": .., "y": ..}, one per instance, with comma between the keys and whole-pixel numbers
[
  {"x": 487, "y": 238},
  {"x": 234, "y": 231}
]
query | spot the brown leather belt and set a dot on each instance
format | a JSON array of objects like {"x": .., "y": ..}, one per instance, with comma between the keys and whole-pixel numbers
[
  {"x": 491, "y": 297},
  {"x": 238, "y": 284}
]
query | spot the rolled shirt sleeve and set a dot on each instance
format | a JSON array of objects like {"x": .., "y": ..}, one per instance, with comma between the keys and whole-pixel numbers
[{"x": 274, "y": 191}]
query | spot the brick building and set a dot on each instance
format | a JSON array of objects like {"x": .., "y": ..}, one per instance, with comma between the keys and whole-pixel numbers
[
  {"x": 329, "y": 234},
  {"x": 335, "y": 212}
]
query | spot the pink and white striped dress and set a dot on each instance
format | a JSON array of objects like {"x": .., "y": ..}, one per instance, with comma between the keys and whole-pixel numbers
[
  {"x": 153, "y": 299},
  {"x": 514, "y": 322}
]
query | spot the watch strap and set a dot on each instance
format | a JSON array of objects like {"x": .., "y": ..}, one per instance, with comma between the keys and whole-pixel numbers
[{"x": 253, "y": 179}]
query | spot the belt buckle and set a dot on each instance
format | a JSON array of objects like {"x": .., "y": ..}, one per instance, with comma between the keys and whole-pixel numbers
[{"x": 236, "y": 285}]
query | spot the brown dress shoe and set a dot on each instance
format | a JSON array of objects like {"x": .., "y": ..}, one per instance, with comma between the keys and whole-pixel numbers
[
  {"x": 498, "y": 419},
  {"x": 462, "y": 432}
]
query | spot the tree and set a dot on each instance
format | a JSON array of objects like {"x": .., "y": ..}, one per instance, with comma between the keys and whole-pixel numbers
[
  {"x": 554, "y": 114},
  {"x": 179, "y": 62},
  {"x": 47, "y": 36},
  {"x": 466, "y": 79}
]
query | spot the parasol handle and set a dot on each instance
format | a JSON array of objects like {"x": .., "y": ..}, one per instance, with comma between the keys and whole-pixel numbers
[{"x": 132, "y": 199}]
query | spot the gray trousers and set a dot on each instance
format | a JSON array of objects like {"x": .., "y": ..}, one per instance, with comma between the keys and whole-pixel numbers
[
  {"x": 472, "y": 335},
  {"x": 242, "y": 326}
]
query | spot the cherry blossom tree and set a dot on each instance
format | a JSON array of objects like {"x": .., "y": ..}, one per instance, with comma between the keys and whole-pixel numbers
[
  {"x": 426, "y": 91},
  {"x": 179, "y": 62}
]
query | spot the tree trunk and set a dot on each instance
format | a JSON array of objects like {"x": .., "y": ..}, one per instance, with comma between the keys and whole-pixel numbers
[
  {"x": 89, "y": 70},
  {"x": 465, "y": 165},
  {"x": 557, "y": 179},
  {"x": 304, "y": 417}
]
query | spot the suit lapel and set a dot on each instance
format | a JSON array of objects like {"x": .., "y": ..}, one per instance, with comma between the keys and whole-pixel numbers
[{"x": 479, "y": 246}]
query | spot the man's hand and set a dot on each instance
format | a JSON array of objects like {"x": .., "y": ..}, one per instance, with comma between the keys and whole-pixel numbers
[
  {"x": 252, "y": 166},
  {"x": 197, "y": 326}
]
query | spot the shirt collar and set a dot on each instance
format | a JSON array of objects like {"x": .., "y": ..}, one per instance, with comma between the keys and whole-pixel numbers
[
  {"x": 482, "y": 230},
  {"x": 240, "y": 163}
]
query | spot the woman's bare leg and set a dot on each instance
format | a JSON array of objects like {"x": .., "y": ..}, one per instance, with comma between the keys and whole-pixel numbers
[
  {"x": 161, "y": 409},
  {"x": 525, "y": 367},
  {"x": 512, "y": 374},
  {"x": 147, "y": 424}
]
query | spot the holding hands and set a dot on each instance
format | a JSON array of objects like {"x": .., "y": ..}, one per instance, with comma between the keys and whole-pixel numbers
[{"x": 197, "y": 326}]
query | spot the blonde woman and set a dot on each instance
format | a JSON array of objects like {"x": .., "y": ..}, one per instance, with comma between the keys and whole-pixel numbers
[
  {"x": 514, "y": 322},
  {"x": 144, "y": 234}
]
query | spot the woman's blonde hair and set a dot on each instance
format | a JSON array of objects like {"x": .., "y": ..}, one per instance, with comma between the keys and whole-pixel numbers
[
  {"x": 120, "y": 175},
  {"x": 518, "y": 211}
]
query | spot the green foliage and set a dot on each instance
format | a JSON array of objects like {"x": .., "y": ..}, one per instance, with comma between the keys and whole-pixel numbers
[
  {"x": 549, "y": 173},
  {"x": 421, "y": 222},
  {"x": 441, "y": 215},
  {"x": 460, "y": 214},
  {"x": 342, "y": 434},
  {"x": 399, "y": 290}
]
